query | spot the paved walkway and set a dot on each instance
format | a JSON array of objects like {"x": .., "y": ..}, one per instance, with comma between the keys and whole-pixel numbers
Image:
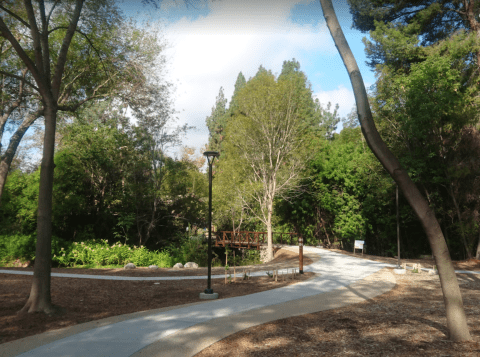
[{"x": 187, "y": 330}]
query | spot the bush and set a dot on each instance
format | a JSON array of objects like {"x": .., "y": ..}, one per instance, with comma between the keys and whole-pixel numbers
[
  {"x": 100, "y": 253},
  {"x": 193, "y": 249},
  {"x": 17, "y": 246},
  {"x": 252, "y": 257}
]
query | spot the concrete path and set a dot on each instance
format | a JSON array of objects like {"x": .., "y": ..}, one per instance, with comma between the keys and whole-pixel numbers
[{"x": 187, "y": 330}]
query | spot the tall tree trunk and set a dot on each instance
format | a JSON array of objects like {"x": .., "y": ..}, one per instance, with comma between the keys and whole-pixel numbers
[
  {"x": 269, "y": 232},
  {"x": 324, "y": 225},
  {"x": 7, "y": 158},
  {"x": 40, "y": 298},
  {"x": 456, "y": 319}
]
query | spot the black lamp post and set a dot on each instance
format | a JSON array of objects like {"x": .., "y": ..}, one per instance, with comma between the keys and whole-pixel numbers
[
  {"x": 209, "y": 294},
  {"x": 398, "y": 229}
]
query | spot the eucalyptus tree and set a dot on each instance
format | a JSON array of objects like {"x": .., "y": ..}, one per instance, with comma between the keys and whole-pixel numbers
[{"x": 456, "y": 319}]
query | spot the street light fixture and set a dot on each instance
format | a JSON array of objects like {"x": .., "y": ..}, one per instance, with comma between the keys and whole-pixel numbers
[{"x": 209, "y": 294}]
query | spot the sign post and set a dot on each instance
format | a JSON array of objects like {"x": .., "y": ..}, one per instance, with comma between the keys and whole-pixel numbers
[
  {"x": 358, "y": 245},
  {"x": 300, "y": 254}
]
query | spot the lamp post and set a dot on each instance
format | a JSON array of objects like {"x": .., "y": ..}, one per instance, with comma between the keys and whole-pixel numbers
[
  {"x": 209, "y": 294},
  {"x": 398, "y": 230}
]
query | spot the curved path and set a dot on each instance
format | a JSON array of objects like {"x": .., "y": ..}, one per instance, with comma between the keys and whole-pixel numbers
[{"x": 187, "y": 330}]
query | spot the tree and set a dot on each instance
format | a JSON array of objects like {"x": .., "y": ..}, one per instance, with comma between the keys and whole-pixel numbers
[
  {"x": 217, "y": 121},
  {"x": 421, "y": 112},
  {"x": 48, "y": 63},
  {"x": 268, "y": 137},
  {"x": 432, "y": 20},
  {"x": 239, "y": 84},
  {"x": 456, "y": 319},
  {"x": 109, "y": 58}
]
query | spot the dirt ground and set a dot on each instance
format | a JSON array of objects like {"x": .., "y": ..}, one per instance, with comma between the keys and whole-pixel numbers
[
  {"x": 88, "y": 299},
  {"x": 407, "y": 321}
]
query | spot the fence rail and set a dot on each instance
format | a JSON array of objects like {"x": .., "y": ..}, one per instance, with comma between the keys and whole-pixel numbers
[{"x": 252, "y": 240}]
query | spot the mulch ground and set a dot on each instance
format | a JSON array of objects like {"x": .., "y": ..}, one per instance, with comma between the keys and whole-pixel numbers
[{"x": 88, "y": 299}]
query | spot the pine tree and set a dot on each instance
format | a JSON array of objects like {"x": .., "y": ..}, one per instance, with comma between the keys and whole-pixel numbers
[
  {"x": 216, "y": 122},
  {"x": 239, "y": 84}
]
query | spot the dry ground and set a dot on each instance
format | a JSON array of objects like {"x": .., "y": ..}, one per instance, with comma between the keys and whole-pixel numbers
[{"x": 88, "y": 299}]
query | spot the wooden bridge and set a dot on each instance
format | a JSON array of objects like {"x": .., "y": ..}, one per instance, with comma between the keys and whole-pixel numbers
[{"x": 252, "y": 240}]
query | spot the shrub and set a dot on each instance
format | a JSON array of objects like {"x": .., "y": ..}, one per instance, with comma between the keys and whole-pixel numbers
[{"x": 17, "y": 246}]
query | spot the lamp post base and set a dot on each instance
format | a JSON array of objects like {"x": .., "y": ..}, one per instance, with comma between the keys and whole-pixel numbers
[{"x": 211, "y": 296}]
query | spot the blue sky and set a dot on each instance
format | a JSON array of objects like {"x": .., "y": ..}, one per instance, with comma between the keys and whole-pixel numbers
[{"x": 210, "y": 42}]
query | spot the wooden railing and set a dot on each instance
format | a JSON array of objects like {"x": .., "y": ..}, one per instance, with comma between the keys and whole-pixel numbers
[{"x": 250, "y": 240}]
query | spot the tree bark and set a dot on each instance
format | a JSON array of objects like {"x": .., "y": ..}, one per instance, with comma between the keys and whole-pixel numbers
[
  {"x": 7, "y": 158},
  {"x": 269, "y": 232},
  {"x": 456, "y": 319},
  {"x": 40, "y": 298},
  {"x": 49, "y": 89}
]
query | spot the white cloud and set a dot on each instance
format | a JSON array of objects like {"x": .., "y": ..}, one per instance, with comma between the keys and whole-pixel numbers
[
  {"x": 235, "y": 36},
  {"x": 343, "y": 96}
]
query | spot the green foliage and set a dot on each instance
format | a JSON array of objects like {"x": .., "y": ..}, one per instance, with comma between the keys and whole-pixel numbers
[
  {"x": 16, "y": 246},
  {"x": 216, "y": 122},
  {"x": 429, "y": 20},
  {"x": 251, "y": 257},
  {"x": 99, "y": 253},
  {"x": 193, "y": 250},
  {"x": 18, "y": 209}
]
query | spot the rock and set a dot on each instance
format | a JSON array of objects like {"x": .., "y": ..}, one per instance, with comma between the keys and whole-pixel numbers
[
  {"x": 129, "y": 266},
  {"x": 400, "y": 271},
  {"x": 178, "y": 266},
  {"x": 191, "y": 265},
  {"x": 153, "y": 267},
  {"x": 433, "y": 272},
  {"x": 18, "y": 264}
]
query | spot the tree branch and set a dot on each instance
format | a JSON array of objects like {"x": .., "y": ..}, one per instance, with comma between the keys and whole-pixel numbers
[
  {"x": 22, "y": 54},
  {"x": 37, "y": 45},
  {"x": 20, "y": 78},
  {"x": 88, "y": 40},
  {"x": 15, "y": 16},
  {"x": 44, "y": 41},
  {"x": 51, "y": 11},
  {"x": 62, "y": 57}
]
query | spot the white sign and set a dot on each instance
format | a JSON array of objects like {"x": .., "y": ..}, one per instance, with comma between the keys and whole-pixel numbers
[{"x": 359, "y": 244}]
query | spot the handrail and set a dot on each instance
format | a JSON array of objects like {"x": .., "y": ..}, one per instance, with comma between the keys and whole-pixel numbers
[{"x": 248, "y": 239}]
